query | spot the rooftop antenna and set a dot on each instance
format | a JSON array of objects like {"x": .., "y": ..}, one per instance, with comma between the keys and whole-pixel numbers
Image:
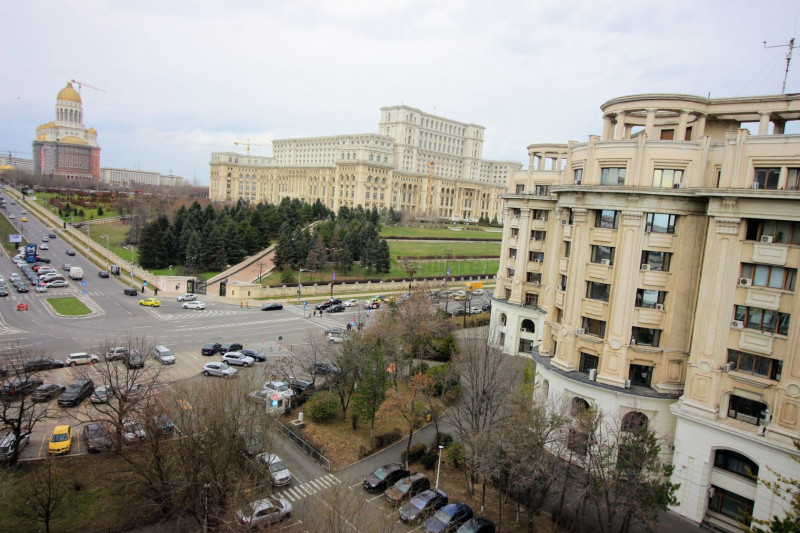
[{"x": 791, "y": 46}]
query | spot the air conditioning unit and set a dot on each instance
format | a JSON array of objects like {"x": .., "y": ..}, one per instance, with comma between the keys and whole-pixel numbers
[
  {"x": 676, "y": 185},
  {"x": 577, "y": 182},
  {"x": 580, "y": 331},
  {"x": 762, "y": 430},
  {"x": 727, "y": 367},
  {"x": 659, "y": 307},
  {"x": 627, "y": 384},
  {"x": 564, "y": 222},
  {"x": 766, "y": 239},
  {"x": 644, "y": 267},
  {"x": 755, "y": 186},
  {"x": 536, "y": 282},
  {"x": 738, "y": 324},
  {"x": 542, "y": 219},
  {"x": 592, "y": 374},
  {"x": 560, "y": 288},
  {"x": 537, "y": 260},
  {"x": 745, "y": 282},
  {"x": 605, "y": 262},
  {"x": 633, "y": 341}
]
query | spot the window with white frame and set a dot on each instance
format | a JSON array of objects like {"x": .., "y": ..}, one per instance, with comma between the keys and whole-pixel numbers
[
  {"x": 667, "y": 178},
  {"x": 612, "y": 176}
]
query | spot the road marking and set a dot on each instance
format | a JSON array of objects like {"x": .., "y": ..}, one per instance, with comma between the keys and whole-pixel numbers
[
  {"x": 375, "y": 498},
  {"x": 356, "y": 485}
]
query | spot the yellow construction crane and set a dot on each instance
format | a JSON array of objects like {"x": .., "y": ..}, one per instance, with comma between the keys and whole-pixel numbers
[
  {"x": 81, "y": 84},
  {"x": 429, "y": 212},
  {"x": 249, "y": 144}
]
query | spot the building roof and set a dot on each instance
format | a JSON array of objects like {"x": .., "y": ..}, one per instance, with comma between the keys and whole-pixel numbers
[
  {"x": 71, "y": 139},
  {"x": 68, "y": 93}
]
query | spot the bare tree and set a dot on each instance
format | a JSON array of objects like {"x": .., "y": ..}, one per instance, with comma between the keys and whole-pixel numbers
[
  {"x": 42, "y": 495},
  {"x": 409, "y": 407}
]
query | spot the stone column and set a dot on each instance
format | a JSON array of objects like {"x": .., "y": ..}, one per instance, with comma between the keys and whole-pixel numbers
[
  {"x": 522, "y": 258},
  {"x": 650, "y": 122},
  {"x": 608, "y": 128},
  {"x": 620, "y": 132},
  {"x": 763, "y": 123},
  {"x": 499, "y": 290},
  {"x": 681, "y": 133},
  {"x": 700, "y": 129}
]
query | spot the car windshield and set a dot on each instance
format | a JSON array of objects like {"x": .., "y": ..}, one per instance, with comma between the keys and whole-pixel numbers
[
  {"x": 402, "y": 486},
  {"x": 59, "y": 437},
  {"x": 419, "y": 502},
  {"x": 224, "y": 366},
  {"x": 95, "y": 432},
  {"x": 282, "y": 387},
  {"x": 442, "y": 516},
  {"x": 277, "y": 466},
  {"x": 132, "y": 427},
  {"x": 209, "y": 345},
  {"x": 381, "y": 473}
]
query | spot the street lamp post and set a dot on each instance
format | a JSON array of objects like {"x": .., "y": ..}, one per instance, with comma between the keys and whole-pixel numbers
[
  {"x": 299, "y": 285},
  {"x": 131, "y": 247},
  {"x": 439, "y": 466},
  {"x": 261, "y": 266},
  {"x": 108, "y": 259}
]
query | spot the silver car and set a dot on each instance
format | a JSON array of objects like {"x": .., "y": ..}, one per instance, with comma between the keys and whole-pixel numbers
[
  {"x": 278, "y": 472},
  {"x": 265, "y": 511},
  {"x": 238, "y": 359},
  {"x": 188, "y": 297},
  {"x": 219, "y": 369},
  {"x": 194, "y": 304}
]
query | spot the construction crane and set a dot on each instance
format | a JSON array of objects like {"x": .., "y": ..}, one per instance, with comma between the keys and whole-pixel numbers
[
  {"x": 249, "y": 144},
  {"x": 81, "y": 84},
  {"x": 430, "y": 164}
]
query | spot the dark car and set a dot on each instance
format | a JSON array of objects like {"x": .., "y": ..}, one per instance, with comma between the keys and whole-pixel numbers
[
  {"x": 487, "y": 307},
  {"x": 423, "y": 504},
  {"x": 383, "y": 477},
  {"x": 226, "y": 347},
  {"x": 96, "y": 438},
  {"x": 448, "y": 518},
  {"x": 477, "y": 524},
  {"x": 52, "y": 235},
  {"x": 45, "y": 363},
  {"x": 3, "y": 291},
  {"x": 255, "y": 354},
  {"x": 211, "y": 348},
  {"x": 299, "y": 386},
  {"x": 407, "y": 487},
  {"x": 70, "y": 252},
  {"x": 42, "y": 259},
  {"x": 338, "y": 308},
  {"x": 19, "y": 387},
  {"x": 324, "y": 368},
  {"x": 130, "y": 291},
  {"x": 133, "y": 359},
  {"x": 21, "y": 287},
  {"x": 46, "y": 392},
  {"x": 78, "y": 390},
  {"x": 272, "y": 307},
  {"x": 103, "y": 273},
  {"x": 323, "y": 306}
]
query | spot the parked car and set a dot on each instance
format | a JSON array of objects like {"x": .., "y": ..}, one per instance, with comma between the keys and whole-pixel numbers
[
  {"x": 338, "y": 308},
  {"x": 255, "y": 354},
  {"x": 230, "y": 347},
  {"x": 477, "y": 524},
  {"x": 102, "y": 274},
  {"x": 351, "y": 303},
  {"x": 194, "y": 304},
  {"x": 188, "y": 297},
  {"x": 324, "y": 368},
  {"x": 102, "y": 394},
  {"x": 164, "y": 355},
  {"x": 56, "y": 284},
  {"x": 474, "y": 310},
  {"x": 385, "y": 476},
  {"x": 130, "y": 291},
  {"x": 280, "y": 387},
  {"x": 407, "y": 487},
  {"x": 448, "y": 518},
  {"x": 323, "y": 306},
  {"x": 335, "y": 338},
  {"x": 422, "y": 505},
  {"x": 45, "y": 363},
  {"x": 41, "y": 288},
  {"x": 47, "y": 392},
  {"x": 19, "y": 387},
  {"x": 372, "y": 304},
  {"x": 7, "y": 445},
  {"x": 133, "y": 359},
  {"x": 486, "y": 307},
  {"x": 51, "y": 235},
  {"x": 132, "y": 430},
  {"x": 272, "y": 307},
  {"x": 3, "y": 291},
  {"x": 81, "y": 358},
  {"x": 117, "y": 352},
  {"x": 66, "y": 267},
  {"x": 299, "y": 386},
  {"x": 238, "y": 359},
  {"x": 70, "y": 252},
  {"x": 150, "y": 302},
  {"x": 96, "y": 438},
  {"x": 265, "y": 511},
  {"x": 219, "y": 369},
  {"x": 132, "y": 393},
  {"x": 278, "y": 472},
  {"x": 210, "y": 348},
  {"x": 76, "y": 392},
  {"x": 60, "y": 440}
]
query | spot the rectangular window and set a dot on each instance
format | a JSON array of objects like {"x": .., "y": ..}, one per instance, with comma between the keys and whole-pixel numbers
[
  {"x": 767, "y": 178},
  {"x": 656, "y": 260},
  {"x": 781, "y": 231},
  {"x": 536, "y": 257},
  {"x": 667, "y": 178},
  {"x": 667, "y": 134},
  {"x": 599, "y": 253},
  {"x": 649, "y": 299},
  {"x": 510, "y": 272},
  {"x": 773, "y": 277},
  {"x": 594, "y": 327},
  {"x": 520, "y": 189},
  {"x": 606, "y": 219},
  {"x": 765, "y": 320},
  {"x": 533, "y": 277},
  {"x": 746, "y": 410},
  {"x": 645, "y": 336},
  {"x": 540, "y": 214},
  {"x": 514, "y": 233},
  {"x": 660, "y": 223},
  {"x": 525, "y": 345},
  {"x": 793, "y": 179},
  {"x": 537, "y": 235},
  {"x": 532, "y": 299},
  {"x": 597, "y": 291},
  {"x": 512, "y": 253},
  {"x": 567, "y": 248},
  {"x": 730, "y": 504},
  {"x": 578, "y": 176},
  {"x": 755, "y": 364},
  {"x": 612, "y": 176},
  {"x": 640, "y": 375},
  {"x": 515, "y": 212},
  {"x": 542, "y": 190},
  {"x": 588, "y": 362}
]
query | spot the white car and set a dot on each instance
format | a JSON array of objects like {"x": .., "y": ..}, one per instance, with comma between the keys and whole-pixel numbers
[
  {"x": 219, "y": 369},
  {"x": 238, "y": 359},
  {"x": 335, "y": 338},
  {"x": 7, "y": 446},
  {"x": 265, "y": 511},
  {"x": 44, "y": 246},
  {"x": 278, "y": 472},
  {"x": 132, "y": 430},
  {"x": 478, "y": 291},
  {"x": 278, "y": 387},
  {"x": 56, "y": 283},
  {"x": 41, "y": 288},
  {"x": 474, "y": 310},
  {"x": 82, "y": 358},
  {"x": 188, "y": 297},
  {"x": 351, "y": 303},
  {"x": 194, "y": 304}
]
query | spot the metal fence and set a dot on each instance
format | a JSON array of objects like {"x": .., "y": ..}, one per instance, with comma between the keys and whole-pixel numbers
[{"x": 306, "y": 447}]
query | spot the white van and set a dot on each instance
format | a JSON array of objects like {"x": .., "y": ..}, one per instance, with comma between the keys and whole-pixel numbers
[{"x": 76, "y": 273}]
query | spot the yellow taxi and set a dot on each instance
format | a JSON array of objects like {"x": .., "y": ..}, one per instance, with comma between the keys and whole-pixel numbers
[
  {"x": 60, "y": 440},
  {"x": 390, "y": 300},
  {"x": 150, "y": 302},
  {"x": 24, "y": 219}
]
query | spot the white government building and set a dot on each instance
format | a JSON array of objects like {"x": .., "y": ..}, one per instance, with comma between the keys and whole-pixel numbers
[
  {"x": 652, "y": 271},
  {"x": 418, "y": 163}
]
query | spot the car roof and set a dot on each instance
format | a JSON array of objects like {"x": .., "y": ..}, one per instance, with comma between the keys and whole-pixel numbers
[{"x": 61, "y": 429}]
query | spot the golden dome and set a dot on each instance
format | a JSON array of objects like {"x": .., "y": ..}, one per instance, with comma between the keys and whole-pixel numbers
[
  {"x": 6, "y": 167},
  {"x": 71, "y": 139},
  {"x": 91, "y": 131},
  {"x": 68, "y": 93},
  {"x": 50, "y": 124}
]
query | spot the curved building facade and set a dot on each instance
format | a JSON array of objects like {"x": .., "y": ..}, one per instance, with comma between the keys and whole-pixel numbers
[{"x": 652, "y": 270}]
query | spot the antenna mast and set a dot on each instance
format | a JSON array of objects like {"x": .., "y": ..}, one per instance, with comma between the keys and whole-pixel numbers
[{"x": 791, "y": 46}]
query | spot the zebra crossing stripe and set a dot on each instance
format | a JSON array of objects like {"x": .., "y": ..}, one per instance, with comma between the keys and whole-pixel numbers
[{"x": 338, "y": 481}]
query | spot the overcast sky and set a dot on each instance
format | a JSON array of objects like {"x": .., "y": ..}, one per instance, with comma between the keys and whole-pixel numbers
[{"x": 182, "y": 79}]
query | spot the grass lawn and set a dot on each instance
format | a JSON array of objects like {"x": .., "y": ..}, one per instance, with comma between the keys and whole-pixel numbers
[
  {"x": 69, "y": 306},
  {"x": 464, "y": 249},
  {"x": 44, "y": 198},
  {"x": 6, "y": 229},
  {"x": 421, "y": 233}
]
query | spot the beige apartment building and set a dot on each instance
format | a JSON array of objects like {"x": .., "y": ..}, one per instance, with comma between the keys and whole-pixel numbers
[
  {"x": 652, "y": 271},
  {"x": 419, "y": 163}
]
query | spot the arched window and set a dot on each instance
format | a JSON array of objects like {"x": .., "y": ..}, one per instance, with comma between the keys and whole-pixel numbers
[
  {"x": 503, "y": 319},
  {"x": 371, "y": 156},
  {"x": 736, "y": 463},
  {"x": 634, "y": 421},
  {"x": 528, "y": 326},
  {"x": 578, "y": 439},
  {"x": 385, "y": 159},
  {"x": 578, "y": 406}
]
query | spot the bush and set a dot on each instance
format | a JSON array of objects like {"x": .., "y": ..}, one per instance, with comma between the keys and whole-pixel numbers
[
  {"x": 451, "y": 395},
  {"x": 384, "y": 439},
  {"x": 287, "y": 277},
  {"x": 322, "y": 406},
  {"x": 100, "y": 211},
  {"x": 428, "y": 460},
  {"x": 415, "y": 452},
  {"x": 455, "y": 453},
  {"x": 421, "y": 368},
  {"x": 443, "y": 439}
]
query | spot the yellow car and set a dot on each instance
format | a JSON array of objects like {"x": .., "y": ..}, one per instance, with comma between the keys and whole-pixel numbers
[
  {"x": 24, "y": 219},
  {"x": 460, "y": 298},
  {"x": 150, "y": 302},
  {"x": 60, "y": 440},
  {"x": 390, "y": 300}
]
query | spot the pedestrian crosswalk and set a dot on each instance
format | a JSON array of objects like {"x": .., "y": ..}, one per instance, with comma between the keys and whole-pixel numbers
[{"x": 309, "y": 488}]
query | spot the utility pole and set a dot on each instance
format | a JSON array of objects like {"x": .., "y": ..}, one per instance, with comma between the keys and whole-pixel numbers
[
  {"x": 790, "y": 45},
  {"x": 261, "y": 265}
]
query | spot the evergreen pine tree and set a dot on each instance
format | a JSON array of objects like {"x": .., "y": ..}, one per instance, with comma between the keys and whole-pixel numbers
[
  {"x": 284, "y": 249},
  {"x": 317, "y": 256},
  {"x": 194, "y": 250},
  {"x": 151, "y": 240},
  {"x": 383, "y": 257}
]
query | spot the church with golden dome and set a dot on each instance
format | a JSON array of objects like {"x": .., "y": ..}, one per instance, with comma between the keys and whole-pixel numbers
[{"x": 64, "y": 148}]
